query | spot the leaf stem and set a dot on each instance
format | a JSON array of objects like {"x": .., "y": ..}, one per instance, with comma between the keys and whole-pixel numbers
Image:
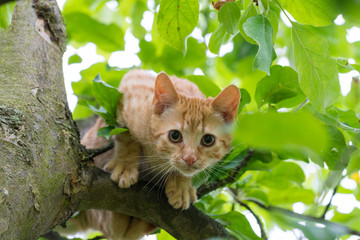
[
  {"x": 329, "y": 204},
  {"x": 284, "y": 12},
  {"x": 301, "y": 105},
  {"x": 258, "y": 220}
]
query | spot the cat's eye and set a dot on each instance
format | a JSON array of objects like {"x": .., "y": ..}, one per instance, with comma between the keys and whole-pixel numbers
[
  {"x": 175, "y": 136},
  {"x": 208, "y": 140}
]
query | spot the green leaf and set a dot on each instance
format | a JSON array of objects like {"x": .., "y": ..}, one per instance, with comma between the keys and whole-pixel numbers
[
  {"x": 81, "y": 112},
  {"x": 102, "y": 113},
  {"x": 277, "y": 131},
  {"x": 354, "y": 164},
  {"x": 206, "y": 86},
  {"x": 332, "y": 121},
  {"x": 217, "y": 38},
  {"x": 336, "y": 155},
  {"x": 107, "y": 97},
  {"x": 282, "y": 84},
  {"x": 176, "y": 20},
  {"x": 74, "y": 59},
  {"x": 109, "y": 37},
  {"x": 117, "y": 131},
  {"x": 137, "y": 13},
  {"x": 259, "y": 28},
  {"x": 249, "y": 12},
  {"x": 238, "y": 225},
  {"x": 282, "y": 176},
  {"x": 199, "y": 179},
  {"x": 245, "y": 99},
  {"x": 318, "y": 76},
  {"x": 312, "y": 231},
  {"x": 109, "y": 131},
  {"x": 317, "y": 13},
  {"x": 272, "y": 13},
  {"x": 6, "y": 11},
  {"x": 163, "y": 235},
  {"x": 229, "y": 16},
  {"x": 290, "y": 195},
  {"x": 257, "y": 195}
]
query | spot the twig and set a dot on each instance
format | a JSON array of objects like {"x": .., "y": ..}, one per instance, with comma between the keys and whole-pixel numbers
[
  {"x": 96, "y": 152},
  {"x": 258, "y": 220},
  {"x": 307, "y": 218},
  {"x": 301, "y": 105},
  {"x": 206, "y": 188},
  {"x": 329, "y": 204}
]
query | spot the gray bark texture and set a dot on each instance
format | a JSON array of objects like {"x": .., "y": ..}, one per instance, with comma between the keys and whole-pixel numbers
[{"x": 45, "y": 175}]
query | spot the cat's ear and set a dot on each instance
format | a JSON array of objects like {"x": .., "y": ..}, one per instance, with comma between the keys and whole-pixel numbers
[
  {"x": 165, "y": 94},
  {"x": 227, "y": 103}
]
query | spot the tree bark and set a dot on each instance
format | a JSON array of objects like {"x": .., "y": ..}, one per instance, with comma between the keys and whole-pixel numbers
[{"x": 43, "y": 176}]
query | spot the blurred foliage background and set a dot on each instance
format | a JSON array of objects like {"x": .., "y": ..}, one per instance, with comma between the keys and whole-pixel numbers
[{"x": 297, "y": 65}]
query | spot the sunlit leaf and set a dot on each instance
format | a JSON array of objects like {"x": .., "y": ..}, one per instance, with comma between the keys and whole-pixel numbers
[
  {"x": 238, "y": 225},
  {"x": 259, "y": 28},
  {"x": 176, "y": 20},
  {"x": 245, "y": 99},
  {"x": 250, "y": 11},
  {"x": 282, "y": 84},
  {"x": 317, "y": 13},
  {"x": 206, "y": 86},
  {"x": 229, "y": 16},
  {"x": 6, "y": 11},
  {"x": 109, "y": 131},
  {"x": 74, "y": 59},
  {"x": 218, "y": 38},
  {"x": 163, "y": 235},
  {"x": 318, "y": 76},
  {"x": 279, "y": 131},
  {"x": 107, "y": 37},
  {"x": 107, "y": 97},
  {"x": 137, "y": 13},
  {"x": 290, "y": 195}
]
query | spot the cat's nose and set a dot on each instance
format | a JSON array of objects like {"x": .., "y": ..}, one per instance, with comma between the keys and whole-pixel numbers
[{"x": 189, "y": 159}]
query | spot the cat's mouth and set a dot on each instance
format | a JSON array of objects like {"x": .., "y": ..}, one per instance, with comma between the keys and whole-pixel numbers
[{"x": 188, "y": 171}]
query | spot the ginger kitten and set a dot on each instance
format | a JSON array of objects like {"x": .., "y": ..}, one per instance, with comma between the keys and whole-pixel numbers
[{"x": 174, "y": 133}]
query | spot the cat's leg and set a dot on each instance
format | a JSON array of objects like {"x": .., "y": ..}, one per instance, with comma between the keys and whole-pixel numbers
[
  {"x": 179, "y": 191},
  {"x": 124, "y": 166},
  {"x": 137, "y": 228}
]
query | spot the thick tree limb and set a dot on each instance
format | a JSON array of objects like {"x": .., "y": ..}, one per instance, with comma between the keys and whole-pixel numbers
[{"x": 144, "y": 202}]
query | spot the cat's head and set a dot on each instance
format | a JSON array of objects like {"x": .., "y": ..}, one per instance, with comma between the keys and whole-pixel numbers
[{"x": 193, "y": 133}]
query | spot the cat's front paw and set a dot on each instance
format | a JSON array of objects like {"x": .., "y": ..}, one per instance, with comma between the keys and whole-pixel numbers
[
  {"x": 180, "y": 193},
  {"x": 122, "y": 174}
]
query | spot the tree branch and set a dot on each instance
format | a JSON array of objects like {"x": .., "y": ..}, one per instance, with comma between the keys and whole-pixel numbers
[
  {"x": 258, "y": 220},
  {"x": 329, "y": 204},
  {"x": 309, "y": 218},
  {"x": 96, "y": 152},
  {"x": 208, "y": 187},
  {"x": 148, "y": 203}
]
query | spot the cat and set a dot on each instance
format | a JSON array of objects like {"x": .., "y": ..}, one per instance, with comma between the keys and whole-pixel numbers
[{"x": 174, "y": 133}]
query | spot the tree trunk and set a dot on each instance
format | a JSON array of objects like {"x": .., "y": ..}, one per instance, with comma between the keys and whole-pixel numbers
[
  {"x": 44, "y": 177},
  {"x": 39, "y": 141}
]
